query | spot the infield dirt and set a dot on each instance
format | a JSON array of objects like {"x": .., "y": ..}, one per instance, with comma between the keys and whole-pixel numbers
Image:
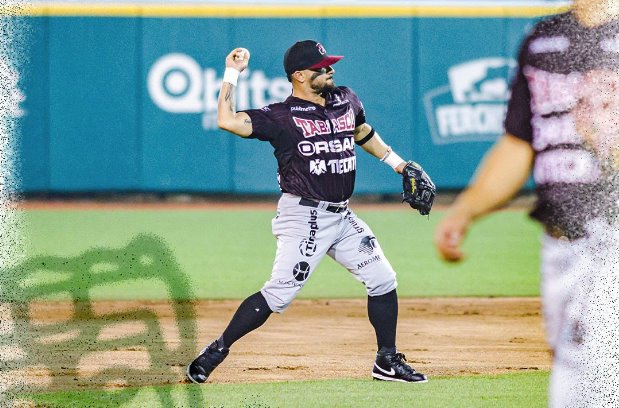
[{"x": 312, "y": 340}]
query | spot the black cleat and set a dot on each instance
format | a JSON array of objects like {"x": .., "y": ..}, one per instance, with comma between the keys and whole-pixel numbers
[
  {"x": 391, "y": 366},
  {"x": 209, "y": 358}
]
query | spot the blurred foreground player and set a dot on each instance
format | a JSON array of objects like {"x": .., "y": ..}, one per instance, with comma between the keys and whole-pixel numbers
[
  {"x": 563, "y": 125},
  {"x": 314, "y": 133}
]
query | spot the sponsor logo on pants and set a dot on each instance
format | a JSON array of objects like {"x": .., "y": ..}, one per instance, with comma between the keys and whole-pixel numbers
[
  {"x": 367, "y": 245},
  {"x": 373, "y": 259},
  {"x": 308, "y": 245}
]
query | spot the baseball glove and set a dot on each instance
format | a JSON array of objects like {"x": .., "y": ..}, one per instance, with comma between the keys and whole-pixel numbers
[{"x": 418, "y": 189}]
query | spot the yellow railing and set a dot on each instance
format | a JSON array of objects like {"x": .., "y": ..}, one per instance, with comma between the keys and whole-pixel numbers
[{"x": 273, "y": 11}]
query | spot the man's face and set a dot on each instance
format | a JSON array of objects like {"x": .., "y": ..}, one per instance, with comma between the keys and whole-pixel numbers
[
  {"x": 594, "y": 4},
  {"x": 321, "y": 80}
]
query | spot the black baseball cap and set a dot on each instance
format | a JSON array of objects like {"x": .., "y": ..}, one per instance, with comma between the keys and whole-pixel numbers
[{"x": 307, "y": 54}]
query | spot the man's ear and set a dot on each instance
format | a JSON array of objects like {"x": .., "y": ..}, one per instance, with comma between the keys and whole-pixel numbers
[{"x": 299, "y": 76}]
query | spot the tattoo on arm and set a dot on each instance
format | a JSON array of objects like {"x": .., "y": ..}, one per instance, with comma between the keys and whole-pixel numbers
[
  {"x": 229, "y": 98},
  {"x": 226, "y": 107}
]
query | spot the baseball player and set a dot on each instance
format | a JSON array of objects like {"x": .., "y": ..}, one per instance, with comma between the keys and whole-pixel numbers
[
  {"x": 314, "y": 133},
  {"x": 563, "y": 124}
]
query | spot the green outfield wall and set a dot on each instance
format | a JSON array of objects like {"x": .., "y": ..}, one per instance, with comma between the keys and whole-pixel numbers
[{"x": 123, "y": 97}]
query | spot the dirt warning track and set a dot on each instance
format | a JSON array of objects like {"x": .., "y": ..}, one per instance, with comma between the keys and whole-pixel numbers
[{"x": 148, "y": 343}]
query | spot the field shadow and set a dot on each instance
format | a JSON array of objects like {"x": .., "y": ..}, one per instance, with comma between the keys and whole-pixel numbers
[{"x": 55, "y": 337}]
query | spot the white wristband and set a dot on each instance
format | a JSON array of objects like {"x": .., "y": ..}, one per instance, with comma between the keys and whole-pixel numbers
[
  {"x": 392, "y": 159},
  {"x": 231, "y": 75}
]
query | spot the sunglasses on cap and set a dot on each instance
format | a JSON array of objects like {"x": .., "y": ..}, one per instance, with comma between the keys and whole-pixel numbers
[{"x": 322, "y": 71}]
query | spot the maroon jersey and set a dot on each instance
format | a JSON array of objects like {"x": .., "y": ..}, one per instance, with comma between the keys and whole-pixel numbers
[
  {"x": 314, "y": 144},
  {"x": 559, "y": 63}
]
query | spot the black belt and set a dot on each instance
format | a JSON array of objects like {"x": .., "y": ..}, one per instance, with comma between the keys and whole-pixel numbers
[{"x": 316, "y": 204}]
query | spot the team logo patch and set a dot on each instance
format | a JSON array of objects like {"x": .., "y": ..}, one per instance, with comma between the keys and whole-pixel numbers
[
  {"x": 336, "y": 166},
  {"x": 321, "y": 49},
  {"x": 339, "y": 102},
  {"x": 367, "y": 245},
  {"x": 301, "y": 271},
  {"x": 318, "y": 167}
]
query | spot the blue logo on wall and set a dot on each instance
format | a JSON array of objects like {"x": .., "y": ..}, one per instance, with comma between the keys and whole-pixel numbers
[
  {"x": 179, "y": 85},
  {"x": 472, "y": 107}
]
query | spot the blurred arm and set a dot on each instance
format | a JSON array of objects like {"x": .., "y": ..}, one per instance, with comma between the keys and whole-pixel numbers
[{"x": 500, "y": 176}]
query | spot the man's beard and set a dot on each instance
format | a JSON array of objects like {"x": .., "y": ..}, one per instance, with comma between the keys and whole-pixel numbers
[{"x": 324, "y": 87}]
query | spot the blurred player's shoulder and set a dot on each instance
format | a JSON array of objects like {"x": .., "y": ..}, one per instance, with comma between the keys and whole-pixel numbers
[{"x": 554, "y": 23}]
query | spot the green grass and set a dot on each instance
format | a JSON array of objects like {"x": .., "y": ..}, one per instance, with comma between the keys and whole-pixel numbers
[
  {"x": 156, "y": 254},
  {"x": 230, "y": 254},
  {"x": 526, "y": 390}
]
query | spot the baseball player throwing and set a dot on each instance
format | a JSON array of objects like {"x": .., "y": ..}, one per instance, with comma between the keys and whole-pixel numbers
[{"x": 314, "y": 133}]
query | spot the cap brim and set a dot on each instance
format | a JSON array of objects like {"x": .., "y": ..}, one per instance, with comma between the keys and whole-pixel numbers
[{"x": 328, "y": 60}]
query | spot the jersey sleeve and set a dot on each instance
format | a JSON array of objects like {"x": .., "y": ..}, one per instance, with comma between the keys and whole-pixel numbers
[
  {"x": 357, "y": 106},
  {"x": 262, "y": 122},
  {"x": 519, "y": 115}
]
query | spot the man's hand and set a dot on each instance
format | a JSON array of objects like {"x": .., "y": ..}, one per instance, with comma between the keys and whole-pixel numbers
[
  {"x": 228, "y": 118},
  {"x": 238, "y": 59},
  {"x": 449, "y": 235}
]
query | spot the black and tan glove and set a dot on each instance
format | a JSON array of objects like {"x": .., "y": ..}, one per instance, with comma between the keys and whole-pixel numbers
[{"x": 418, "y": 190}]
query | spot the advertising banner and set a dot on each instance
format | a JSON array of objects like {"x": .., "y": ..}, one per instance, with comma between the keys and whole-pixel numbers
[{"x": 129, "y": 103}]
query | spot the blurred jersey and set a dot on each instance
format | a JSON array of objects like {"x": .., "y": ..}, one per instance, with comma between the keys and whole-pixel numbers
[{"x": 565, "y": 103}]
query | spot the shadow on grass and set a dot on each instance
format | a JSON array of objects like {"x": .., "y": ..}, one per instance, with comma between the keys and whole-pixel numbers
[{"x": 55, "y": 337}]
